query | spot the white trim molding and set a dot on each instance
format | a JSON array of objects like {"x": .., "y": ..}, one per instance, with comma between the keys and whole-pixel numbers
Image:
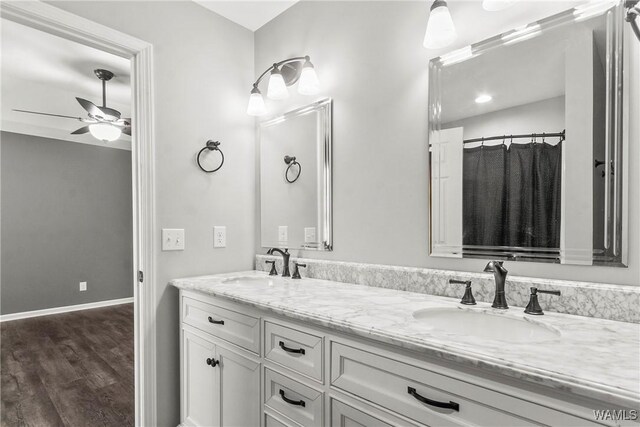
[
  {"x": 65, "y": 309},
  {"x": 50, "y": 19}
]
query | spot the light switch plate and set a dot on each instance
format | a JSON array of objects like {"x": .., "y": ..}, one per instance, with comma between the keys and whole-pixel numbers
[
  {"x": 309, "y": 234},
  {"x": 83, "y": 286},
  {"x": 283, "y": 234},
  {"x": 173, "y": 239},
  {"x": 219, "y": 236}
]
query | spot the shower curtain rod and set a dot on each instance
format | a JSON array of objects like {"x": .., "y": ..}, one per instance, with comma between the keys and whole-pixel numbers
[{"x": 560, "y": 135}]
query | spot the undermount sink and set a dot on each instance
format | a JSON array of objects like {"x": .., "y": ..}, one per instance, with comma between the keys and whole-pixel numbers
[
  {"x": 483, "y": 324},
  {"x": 249, "y": 280}
]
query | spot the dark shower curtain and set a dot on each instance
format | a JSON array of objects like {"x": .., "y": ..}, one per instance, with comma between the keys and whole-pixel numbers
[{"x": 511, "y": 196}]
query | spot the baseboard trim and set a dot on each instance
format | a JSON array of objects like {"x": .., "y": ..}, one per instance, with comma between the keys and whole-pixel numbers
[{"x": 66, "y": 309}]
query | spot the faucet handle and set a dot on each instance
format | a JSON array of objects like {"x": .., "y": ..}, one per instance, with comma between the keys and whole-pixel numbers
[
  {"x": 534, "y": 307},
  {"x": 467, "y": 298},
  {"x": 296, "y": 272},
  {"x": 273, "y": 271}
]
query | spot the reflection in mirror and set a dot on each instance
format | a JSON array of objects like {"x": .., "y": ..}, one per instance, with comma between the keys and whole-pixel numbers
[
  {"x": 295, "y": 178},
  {"x": 526, "y": 156}
]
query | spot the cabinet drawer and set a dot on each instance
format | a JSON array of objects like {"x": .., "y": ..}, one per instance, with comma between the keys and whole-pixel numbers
[
  {"x": 237, "y": 328},
  {"x": 413, "y": 392},
  {"x": 271, "y": 421},
  {"x": 294, "y": 400},
  {"x": 298, "y": 351},
  {"x": 343, "y": 415}
]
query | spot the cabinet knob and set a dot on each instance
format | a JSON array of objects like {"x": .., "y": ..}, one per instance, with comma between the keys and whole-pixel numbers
[{"x": 212, "y": 362}]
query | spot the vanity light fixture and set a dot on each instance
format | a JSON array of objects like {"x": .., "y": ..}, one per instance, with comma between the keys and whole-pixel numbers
[
  {"x": 484, "y": 98},
  {"x": 277, "y": 89},
  {"x": 281, "y": 75},
  {"x": 440, "y": 29}
]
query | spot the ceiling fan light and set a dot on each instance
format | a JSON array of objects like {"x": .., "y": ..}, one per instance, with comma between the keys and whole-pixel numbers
[
  {"x": 309, "y": 83},
  {"x": 105, "y": 132},
  {"x": 256, "y": 105},
  {"x": 277, "y": 88},
  {"x": 440, "y": 29}
]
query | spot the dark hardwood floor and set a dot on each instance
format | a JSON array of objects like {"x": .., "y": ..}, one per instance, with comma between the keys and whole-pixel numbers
[{"x": 73, "y": 369}]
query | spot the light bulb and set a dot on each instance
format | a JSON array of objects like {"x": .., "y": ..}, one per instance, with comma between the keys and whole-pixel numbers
[
  {"x": 277, "y": 88},
  {"x": 256, "y": 105},
  {"x": 105, "y": 132},
  {"x": 484, "y": 98},
  {"x": 440, "y": 29},
  {"x": 496, "y": 5},
  {"x": 309, "y": 83}
]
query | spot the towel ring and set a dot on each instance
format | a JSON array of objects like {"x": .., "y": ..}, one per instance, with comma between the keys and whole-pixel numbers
[
  {"x": 211, "y": 146},
  {"x": 291, "y": 160}
]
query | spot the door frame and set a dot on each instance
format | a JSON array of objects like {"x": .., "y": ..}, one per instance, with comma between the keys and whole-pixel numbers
[{"x": 53, "y": 20}]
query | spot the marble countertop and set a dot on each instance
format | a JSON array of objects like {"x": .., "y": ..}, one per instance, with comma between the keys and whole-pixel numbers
[{"x": 591, "y": 357}]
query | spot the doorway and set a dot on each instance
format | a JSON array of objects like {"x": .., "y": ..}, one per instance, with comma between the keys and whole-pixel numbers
[{"x": 47, "y": 18}]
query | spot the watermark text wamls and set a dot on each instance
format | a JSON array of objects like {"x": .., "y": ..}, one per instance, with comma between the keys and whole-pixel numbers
[{"x": 615, "y": 414}]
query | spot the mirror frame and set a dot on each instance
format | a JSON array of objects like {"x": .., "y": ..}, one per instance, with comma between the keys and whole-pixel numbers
[
  {"x": 324, "y": 141},
  {"x": 616, "y": 137}
]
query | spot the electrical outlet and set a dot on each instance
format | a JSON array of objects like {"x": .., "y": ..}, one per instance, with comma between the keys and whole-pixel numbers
[
  {"x": 309, "y": 234},
  {"x": 219, "y": 236},
  {"x": 83, "y": 286},
  {"x": 173, "y": 239},
  {"x": 283, "y": 234}
]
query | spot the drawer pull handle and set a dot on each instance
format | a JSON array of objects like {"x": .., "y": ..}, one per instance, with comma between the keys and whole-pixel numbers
[
  {"x": 291, "y": 350},
  {"x": 291, "y": 402},
  {"x": 216, "y": 322},
  {"x": 212, "y": 362},
  {"x": 448, "y": 405}
]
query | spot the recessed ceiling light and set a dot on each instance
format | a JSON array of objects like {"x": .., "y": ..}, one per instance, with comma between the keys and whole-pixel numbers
[{"x": 483, "y": 98}]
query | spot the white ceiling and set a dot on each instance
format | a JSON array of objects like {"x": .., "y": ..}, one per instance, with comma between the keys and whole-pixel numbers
[
  {"x": 249, "y": 14},
  {"x": 42, "y": 72}
]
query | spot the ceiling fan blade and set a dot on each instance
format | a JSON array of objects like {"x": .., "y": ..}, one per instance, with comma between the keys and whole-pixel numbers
[
  {"x": 90, "y": 107},
  {"x": 80, "y": 131},
  {"x": 127, "y": 130},
  {"x": 109, "y": 113},
  {"x": 122, "y": 122},
  {"x": 48, "y": 114}
]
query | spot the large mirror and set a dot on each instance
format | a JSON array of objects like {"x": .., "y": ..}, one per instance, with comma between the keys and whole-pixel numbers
[
  {"x": 526, "y": 144},
  {"x": 295, "y": 179}
]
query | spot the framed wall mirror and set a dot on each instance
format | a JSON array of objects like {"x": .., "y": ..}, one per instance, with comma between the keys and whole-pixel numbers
[
  {"x": 528, "y": 160},
  {"x": 295, "y": 179}
]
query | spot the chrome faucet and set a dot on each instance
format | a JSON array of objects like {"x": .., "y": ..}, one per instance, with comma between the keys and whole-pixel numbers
[
  {"x": 500, "y": 275},
  {"x": 285, "y": 260}
]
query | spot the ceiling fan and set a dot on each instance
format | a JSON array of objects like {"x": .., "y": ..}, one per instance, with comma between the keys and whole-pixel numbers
[{"x": 103, "y": 123}]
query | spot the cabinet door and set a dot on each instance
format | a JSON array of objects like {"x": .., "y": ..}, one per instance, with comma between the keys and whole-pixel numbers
[
  {"x": 239, "y": 389},
  {"x": 200, "y": 401}
]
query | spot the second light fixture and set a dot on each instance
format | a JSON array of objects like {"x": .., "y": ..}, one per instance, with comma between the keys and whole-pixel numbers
[{"x": 281, "y": 75}]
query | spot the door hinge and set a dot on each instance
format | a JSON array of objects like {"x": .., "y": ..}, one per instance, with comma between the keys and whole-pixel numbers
[{"x": 140, "y": 276}]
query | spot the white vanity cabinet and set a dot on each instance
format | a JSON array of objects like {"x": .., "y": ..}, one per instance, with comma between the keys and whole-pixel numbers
[
  {"x": 275, "y": 371},
  {"x": 220, "y": 379}
]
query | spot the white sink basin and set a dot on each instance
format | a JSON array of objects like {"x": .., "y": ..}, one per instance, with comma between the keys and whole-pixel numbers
[
  {"x": 482, "y": 324},
  {"x": 250, "y": 280}
]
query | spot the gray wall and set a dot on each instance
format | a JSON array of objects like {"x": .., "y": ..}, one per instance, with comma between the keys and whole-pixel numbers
[
  {"x": 369, "y": 58},
  {"x": 66, "y": 218},
  {"x": 203, "y": 70}
]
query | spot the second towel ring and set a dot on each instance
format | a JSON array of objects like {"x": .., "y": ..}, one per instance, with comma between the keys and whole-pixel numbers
[
  {"x": 291, "y": 160},
  {"x": 211, "y": 146}
]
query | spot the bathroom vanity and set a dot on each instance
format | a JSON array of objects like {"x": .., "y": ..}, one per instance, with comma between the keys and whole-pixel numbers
[{"x": 259, "y": 350}]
